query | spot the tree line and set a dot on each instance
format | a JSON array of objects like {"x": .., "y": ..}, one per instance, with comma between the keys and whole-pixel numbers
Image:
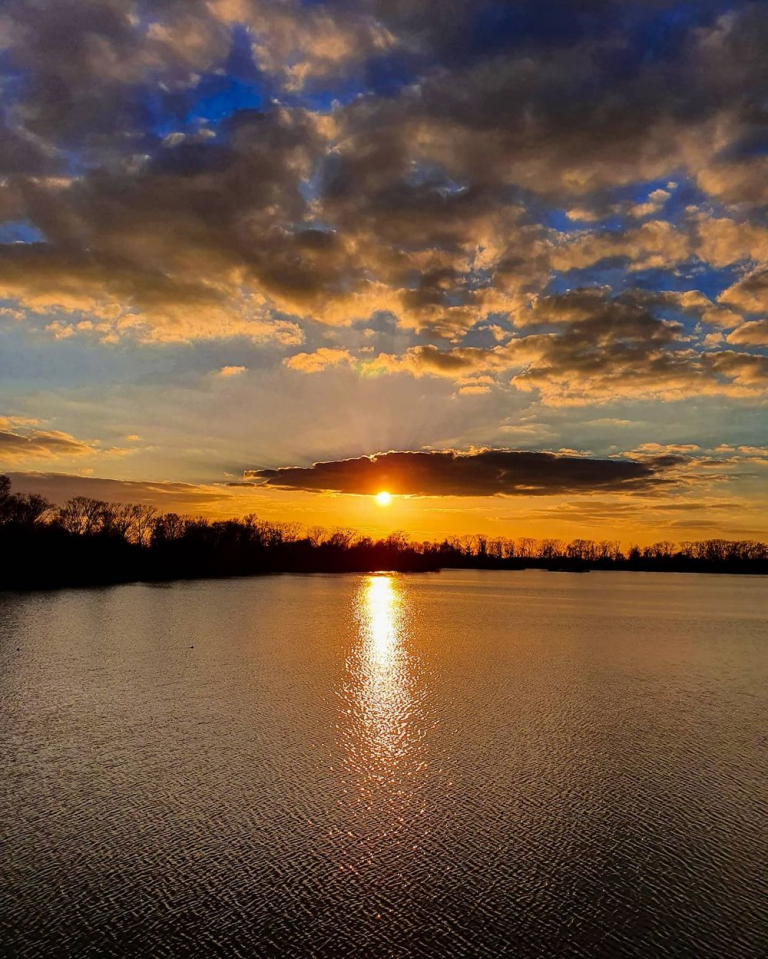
[{"x": 89, "y": 542}]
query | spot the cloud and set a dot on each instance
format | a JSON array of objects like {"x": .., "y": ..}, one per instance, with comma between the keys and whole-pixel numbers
[
  {"x": 598, "y": 348},
  {"x": 59, "y": 487},
  {"x": 483, "y": 473},
  {"x": 414, "y": 202},
  {"x": 229, "y": 371},
  {"x": 9, "y": 422},
  {"x": 368, "y": 190},
  {"x": 749, "y": 294},
  {"x": 91, "y": 86},
  {"x": 321, "y": 359},
  {"x": 558, "y": 117},
  {"x": 19, "y": 445},
  {"x": 473, "y": 389},
  {"x": 654, "y": 244},
  {"x": 722, "y": 241},
  {"x": 304, "y": 46},
  {"x": 654, "y": 203},
  {"x": 127, "y": 298},
  {"x": 754, "y": 333},
  {"x": 432, "y": 361}
]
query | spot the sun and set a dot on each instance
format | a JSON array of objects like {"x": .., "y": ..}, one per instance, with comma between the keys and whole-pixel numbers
[{"x": 383, "y": 498}]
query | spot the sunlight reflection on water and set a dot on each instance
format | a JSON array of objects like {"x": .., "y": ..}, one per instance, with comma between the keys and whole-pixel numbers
[{"x": 384, "y": 735}]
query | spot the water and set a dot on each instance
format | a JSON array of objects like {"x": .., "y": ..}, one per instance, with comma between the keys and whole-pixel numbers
[{"x": 460, "y": 764}]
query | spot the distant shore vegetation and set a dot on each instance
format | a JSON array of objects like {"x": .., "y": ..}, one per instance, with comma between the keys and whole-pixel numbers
[{"x": 90, "y": 542}]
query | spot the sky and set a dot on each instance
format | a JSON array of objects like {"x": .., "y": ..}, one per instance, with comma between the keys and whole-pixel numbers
[{"x": 506, "y": 259}]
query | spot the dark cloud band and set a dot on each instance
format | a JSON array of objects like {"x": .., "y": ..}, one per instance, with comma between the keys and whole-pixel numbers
[{"x": 486, "y": 473}]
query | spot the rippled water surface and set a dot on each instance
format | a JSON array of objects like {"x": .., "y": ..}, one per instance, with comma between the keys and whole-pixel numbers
[{"x": 460, "y": 764}]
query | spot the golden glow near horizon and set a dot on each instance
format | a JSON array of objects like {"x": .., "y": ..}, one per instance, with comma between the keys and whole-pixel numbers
[{"x": 383, "y": 498}]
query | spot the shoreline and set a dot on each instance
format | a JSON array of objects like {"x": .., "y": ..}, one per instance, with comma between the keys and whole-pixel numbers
[{"x": 98, "y": 583}]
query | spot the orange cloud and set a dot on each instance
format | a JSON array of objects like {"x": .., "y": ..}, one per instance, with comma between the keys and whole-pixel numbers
[
  {"x": 16, "y": 446},
  {"x": 320, "y": 360}
]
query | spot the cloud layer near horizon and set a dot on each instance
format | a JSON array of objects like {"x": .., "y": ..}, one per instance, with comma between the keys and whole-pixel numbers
[
  {"x": 652, "y": 492},
  {"x": 484, "y": 473}
]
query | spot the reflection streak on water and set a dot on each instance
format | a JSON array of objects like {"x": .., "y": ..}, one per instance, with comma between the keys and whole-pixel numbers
[{"x": 381, "y": 679}]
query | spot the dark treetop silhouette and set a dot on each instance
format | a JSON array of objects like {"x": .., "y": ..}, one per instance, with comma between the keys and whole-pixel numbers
[{"x": 89, "y": 542}]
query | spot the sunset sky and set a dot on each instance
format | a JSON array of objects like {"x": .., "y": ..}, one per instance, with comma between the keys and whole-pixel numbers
[{"x": 520, "y": 247}]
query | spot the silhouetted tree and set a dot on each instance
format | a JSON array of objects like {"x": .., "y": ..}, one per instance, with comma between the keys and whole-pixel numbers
[
  {"x": 21, "y": 509},
  {"x": 82, "y": 515}
]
